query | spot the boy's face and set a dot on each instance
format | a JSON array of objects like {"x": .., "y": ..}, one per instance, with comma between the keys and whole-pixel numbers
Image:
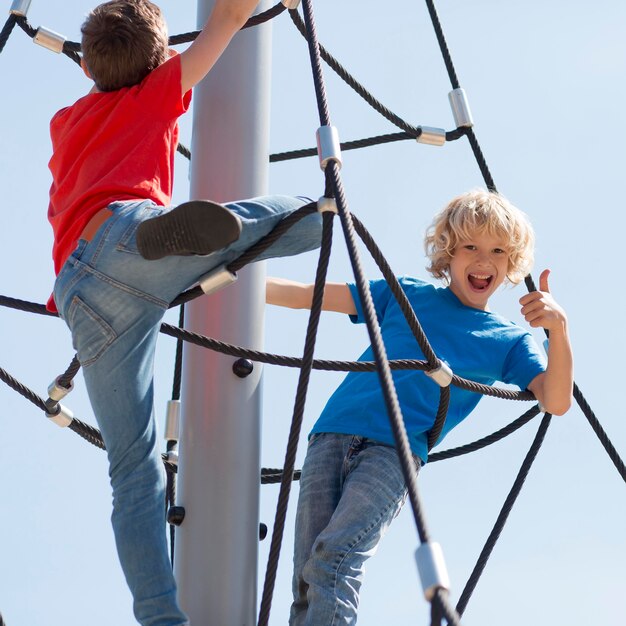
[{"x": 478, "y": 268}]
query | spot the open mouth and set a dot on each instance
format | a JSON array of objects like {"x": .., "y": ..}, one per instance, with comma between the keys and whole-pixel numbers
[{"x": 480, "y": 282}]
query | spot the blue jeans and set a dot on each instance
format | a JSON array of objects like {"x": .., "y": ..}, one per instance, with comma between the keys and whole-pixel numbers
[
  {"x": 113, "y": 301},
  {"x": 351, "y": 489}
]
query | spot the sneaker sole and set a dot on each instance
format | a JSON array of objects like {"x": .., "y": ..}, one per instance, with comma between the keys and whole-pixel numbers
[{"x": 197, "y": 227}]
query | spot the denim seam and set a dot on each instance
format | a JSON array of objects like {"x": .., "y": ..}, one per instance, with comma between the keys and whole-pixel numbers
[
  {"x": 122, "y": 287},
  {"x": 78, "y": 275}
]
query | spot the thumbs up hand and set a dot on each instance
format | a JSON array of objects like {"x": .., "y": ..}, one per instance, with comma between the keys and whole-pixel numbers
[{"x": 541, "y": 310}]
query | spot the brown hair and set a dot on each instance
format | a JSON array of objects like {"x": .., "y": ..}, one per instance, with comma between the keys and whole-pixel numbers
[
  {"x": 480, "y": 211},
  {"x": 123, "y": 41}
]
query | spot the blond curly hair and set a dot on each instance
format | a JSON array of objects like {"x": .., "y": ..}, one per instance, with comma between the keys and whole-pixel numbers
[{"x": 480, "y": 211}]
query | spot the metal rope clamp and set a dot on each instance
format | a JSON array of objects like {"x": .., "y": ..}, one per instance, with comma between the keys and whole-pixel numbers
[
  {"x": 217, "y": 279},
  {"x": 57, "y": 391},
  {"x": 49, "y": 39},
  {"x": 328, "y": 146},
  {"x": 432, "y": 136},
  {"x": 460, "y": 108},
  {"x": 442, "y": 374},
  {"x": 63, "y": 416},
  {"x": 291, "y": 4},
  {"x": 432, "y": 569},
  {"x": 172, "y": 420},
  {"x": 20, "y": 7},
  {"x": 327, "y": 205}
]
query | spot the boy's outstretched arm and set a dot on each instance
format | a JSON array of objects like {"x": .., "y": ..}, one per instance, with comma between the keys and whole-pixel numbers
[
  {"x": 289, "y": 293},
  {"x": 553, "y": 388},
  {"x": 226, "y": 18}
]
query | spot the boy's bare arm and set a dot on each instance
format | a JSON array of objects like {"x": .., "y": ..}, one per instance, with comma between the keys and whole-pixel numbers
[
  {"x": 226, "y": 18},
  {"x": 289, "y": 293},
  {"x": 553, "y": 388}
]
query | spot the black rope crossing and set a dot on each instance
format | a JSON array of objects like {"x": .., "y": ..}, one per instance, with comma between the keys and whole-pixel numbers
[{"x": 350, "y": 226}]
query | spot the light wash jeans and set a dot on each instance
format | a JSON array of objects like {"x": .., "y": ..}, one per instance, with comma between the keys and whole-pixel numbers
[
  {"x": 113, "y": 301},
  {"x": 351, "y": 489}
]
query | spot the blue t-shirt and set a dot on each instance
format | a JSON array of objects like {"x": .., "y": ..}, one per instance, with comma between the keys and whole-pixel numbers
[{"x": 477, "y": 345}]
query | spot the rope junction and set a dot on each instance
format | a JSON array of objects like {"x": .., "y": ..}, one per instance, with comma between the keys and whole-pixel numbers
[{"x": 437, "y": 593}]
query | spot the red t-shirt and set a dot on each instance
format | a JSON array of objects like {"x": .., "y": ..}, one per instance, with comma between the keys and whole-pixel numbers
[{"x": 117, "y": 145}]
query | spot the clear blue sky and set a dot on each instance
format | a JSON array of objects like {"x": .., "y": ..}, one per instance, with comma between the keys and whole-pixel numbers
[{"x": 545, "y": 82}]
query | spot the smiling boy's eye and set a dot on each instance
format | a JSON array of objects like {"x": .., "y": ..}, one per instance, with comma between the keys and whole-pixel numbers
[{"x": 499, "y": 251}]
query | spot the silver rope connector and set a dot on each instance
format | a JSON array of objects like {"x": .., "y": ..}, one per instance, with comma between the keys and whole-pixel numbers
[
  {"x": 432, "y": 136},
  {"x": 63, "y": 417},
  {"x": 291, "y": 4},
  {"x": 57, "y": 392},
  {"x": 328, "y": 146},
  {"x": 432, "y": 569},
  {"x": 460, "y": 108},
  {"x": 20, "y": 7},
  {"x": 216, "y": 280},
  {"x": 327, "y": 205},
  {"x": 442, "y": 374},
  {"x": 49, "y": 39},
  {"x": 172, "y": 457},
  {"x": 172, "y": 420}
]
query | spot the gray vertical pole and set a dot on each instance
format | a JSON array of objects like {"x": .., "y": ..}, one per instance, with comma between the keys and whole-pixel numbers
[{"x": 219, "y": 470}]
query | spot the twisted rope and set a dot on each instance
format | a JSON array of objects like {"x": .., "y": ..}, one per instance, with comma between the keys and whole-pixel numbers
[
  {"x": 287, "y": 361},
  {"x": 65, "y": 379},
  {"x": 5, "y": 33}
]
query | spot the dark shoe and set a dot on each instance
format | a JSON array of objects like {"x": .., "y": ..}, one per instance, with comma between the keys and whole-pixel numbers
[{"x": 195, "y": 227}]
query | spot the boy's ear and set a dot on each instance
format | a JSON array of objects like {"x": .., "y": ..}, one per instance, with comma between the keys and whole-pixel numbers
[{"x": 85, "y": 69}]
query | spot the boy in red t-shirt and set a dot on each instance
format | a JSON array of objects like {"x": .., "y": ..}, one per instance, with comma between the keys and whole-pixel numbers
[{"x": 121, "y": 256}]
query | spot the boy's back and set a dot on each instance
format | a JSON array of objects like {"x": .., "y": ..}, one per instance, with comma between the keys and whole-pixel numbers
[{"x": 116, "y": 145}]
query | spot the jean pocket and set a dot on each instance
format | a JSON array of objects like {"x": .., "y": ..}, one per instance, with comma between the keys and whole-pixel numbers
[{"x": 91, "y": 335}]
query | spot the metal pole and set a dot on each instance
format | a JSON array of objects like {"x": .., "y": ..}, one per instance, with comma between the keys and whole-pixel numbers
[{"x": 219, "y": 471}]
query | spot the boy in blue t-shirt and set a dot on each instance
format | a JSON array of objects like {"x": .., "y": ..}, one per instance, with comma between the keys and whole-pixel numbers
[{"x": 352, "y": 485}]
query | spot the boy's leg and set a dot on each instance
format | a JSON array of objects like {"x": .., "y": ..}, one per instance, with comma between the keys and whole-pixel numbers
[
  {"x": 320, "y": 491},
  {"x": 114, "y": 331},
  {"x": 113, "y": 300},
  {"x": 257, "y": 217},
  {"x": 373, "y": 493}
]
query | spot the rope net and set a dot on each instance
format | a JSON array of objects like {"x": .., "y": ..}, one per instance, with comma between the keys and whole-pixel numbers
[{"x": 351, "y": 228}]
